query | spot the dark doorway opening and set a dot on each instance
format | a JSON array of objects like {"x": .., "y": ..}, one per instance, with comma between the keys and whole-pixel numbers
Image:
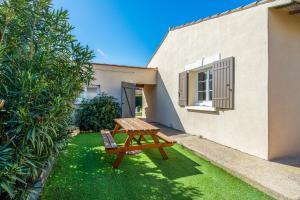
[{"x": 139, "y": 102}]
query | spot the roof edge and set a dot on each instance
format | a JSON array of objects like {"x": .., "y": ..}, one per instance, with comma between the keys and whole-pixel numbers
[
  {"x": 117, "y": 65},
  {"x": 245, "y": 7},
  {"x": 256, "y": 3}
]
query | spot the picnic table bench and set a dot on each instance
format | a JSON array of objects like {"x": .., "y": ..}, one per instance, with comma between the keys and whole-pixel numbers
[{"x": 136, "y": 130}]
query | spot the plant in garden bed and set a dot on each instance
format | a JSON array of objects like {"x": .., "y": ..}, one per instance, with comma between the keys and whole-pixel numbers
[
  {"x": 97, "y": 113},
  {"x": 42, "y": 70}
]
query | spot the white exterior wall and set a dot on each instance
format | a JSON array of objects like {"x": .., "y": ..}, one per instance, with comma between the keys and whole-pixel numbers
[{"x": 243, "y": 35}]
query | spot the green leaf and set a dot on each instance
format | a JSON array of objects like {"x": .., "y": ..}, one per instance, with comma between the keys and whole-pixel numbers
[{"x": 8, "y": 188}]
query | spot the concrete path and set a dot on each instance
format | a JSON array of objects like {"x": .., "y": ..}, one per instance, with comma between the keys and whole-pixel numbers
[{"x": 280, "y": 179}]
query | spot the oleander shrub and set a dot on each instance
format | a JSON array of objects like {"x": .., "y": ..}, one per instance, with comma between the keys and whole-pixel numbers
[
  {"x": 98, "y": 113},
  {"x": 42, "y": 71}
]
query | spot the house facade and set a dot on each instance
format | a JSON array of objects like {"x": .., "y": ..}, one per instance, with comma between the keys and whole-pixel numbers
[{"x": 232, "y": 78}]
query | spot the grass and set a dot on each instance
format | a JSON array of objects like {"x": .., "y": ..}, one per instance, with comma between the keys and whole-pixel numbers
[
  {"x": 138, "y": 114},
  {"x": 83, "y": 171}
]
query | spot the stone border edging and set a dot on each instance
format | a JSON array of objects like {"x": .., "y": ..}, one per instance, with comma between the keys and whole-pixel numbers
[{"x": 38, "y": 186}]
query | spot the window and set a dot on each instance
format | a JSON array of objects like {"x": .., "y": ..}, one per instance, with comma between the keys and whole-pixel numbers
[
  {"x": 204, "y": 88},
  {"x": 88, "y": 92},
  {"x": 92, "y": 91},
  {"x": 196, "y": 90}
]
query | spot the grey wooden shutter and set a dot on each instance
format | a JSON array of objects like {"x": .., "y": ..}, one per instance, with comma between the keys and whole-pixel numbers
[
  {"x": 128, "y": 99},
  {"x": 223, "y": 83},
  {"x": 183, "y": 89}
]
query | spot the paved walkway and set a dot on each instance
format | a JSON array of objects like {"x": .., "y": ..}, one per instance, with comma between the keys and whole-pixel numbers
[{"x": 280, "y": 179}]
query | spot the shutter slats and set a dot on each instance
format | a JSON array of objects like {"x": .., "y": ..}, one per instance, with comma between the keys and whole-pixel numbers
[
  {"x": 223, "y": 83},
  {"x": 227, "y": 74},
  {"x": 231, "y": 86},
  {"x": 183, "y": 89}
]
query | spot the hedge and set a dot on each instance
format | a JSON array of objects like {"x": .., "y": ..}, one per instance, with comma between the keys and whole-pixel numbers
[{"x": 42, "y": 71}]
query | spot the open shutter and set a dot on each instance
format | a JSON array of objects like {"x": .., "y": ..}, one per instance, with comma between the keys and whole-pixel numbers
[
  {"x": 183, "y": 89},
  {"x": 128, "y": 99},
  {"x": 223, "y": 83}
]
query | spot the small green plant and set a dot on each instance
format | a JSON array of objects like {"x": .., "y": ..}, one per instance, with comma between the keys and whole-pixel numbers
[{"x": 98, "y": 113}]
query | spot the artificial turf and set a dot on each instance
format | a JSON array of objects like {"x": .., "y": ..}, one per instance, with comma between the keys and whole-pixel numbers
[{"x": 83, "y": 171}]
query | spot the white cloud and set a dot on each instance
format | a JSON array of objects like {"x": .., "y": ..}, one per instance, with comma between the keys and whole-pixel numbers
[{"x": 102, "y": 54}]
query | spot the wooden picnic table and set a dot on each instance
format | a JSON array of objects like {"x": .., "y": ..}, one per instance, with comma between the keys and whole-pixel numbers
[{"x": 136, "y": 130}]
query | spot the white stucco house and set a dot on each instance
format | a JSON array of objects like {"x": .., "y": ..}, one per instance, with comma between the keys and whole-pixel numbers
[{"x": 232, "y": 78}]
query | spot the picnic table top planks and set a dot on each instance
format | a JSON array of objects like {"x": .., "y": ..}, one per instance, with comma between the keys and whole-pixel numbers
[{"x": 135, "y": 124}]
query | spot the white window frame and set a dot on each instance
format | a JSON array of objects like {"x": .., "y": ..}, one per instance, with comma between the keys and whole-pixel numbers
[{"x": 207, "y": 102}]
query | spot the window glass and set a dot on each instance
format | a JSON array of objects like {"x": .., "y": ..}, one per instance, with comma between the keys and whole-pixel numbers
[
  {"x": 201, "y": 96},
  {"x": 210, "y": 85},
  {"x": 210, "y": 96},
  {"x": 204, "y": 86},
  {"x": 210, "y": 74},
  {"x": 98, "y": 89},
  {"x": 92, "y": 90},
  {"x": 201, "y": 86},
  {"x": 201, "y": 76}
]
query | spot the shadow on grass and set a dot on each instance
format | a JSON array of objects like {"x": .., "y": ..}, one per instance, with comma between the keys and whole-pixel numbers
[
  {"x": 177, "y": 165},
  {"x": 84, "y": 172}
]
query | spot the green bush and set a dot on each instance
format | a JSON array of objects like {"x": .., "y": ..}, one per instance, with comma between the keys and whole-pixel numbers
[
  {"x": 97, "y": 113},
  {"x": 42, "y": 71}
]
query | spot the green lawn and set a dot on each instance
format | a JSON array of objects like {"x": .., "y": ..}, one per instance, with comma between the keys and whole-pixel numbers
[
  {"x": 84, "y": 172},
  {"x": 138, "y": 114}
]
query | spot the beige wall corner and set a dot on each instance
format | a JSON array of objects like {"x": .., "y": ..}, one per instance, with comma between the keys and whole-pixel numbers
[{"x": 284, "y": 82}]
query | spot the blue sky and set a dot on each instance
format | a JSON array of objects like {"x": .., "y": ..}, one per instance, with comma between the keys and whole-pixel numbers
[{"x": 129, "y": 31}]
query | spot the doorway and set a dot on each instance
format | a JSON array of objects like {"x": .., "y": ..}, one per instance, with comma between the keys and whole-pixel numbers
[
  {"x": 132, "y": 100},
  {"x": 139, "y": 102}
]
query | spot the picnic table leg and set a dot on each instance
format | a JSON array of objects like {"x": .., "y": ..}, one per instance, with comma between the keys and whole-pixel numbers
[
  {"x": 122, "y": 154},
  {"x": 118, "y": 160},
  {"x": 140, "y": 139},
  {"x": 115, "y": 131},
  {"x": 161, "y": 150}
]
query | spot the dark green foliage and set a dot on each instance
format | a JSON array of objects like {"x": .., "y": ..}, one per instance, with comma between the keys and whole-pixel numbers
[
  {"x": 138, "y": 101},
  {"x": 42, "y": 70},
  {"x": 98, "y": 113}
]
